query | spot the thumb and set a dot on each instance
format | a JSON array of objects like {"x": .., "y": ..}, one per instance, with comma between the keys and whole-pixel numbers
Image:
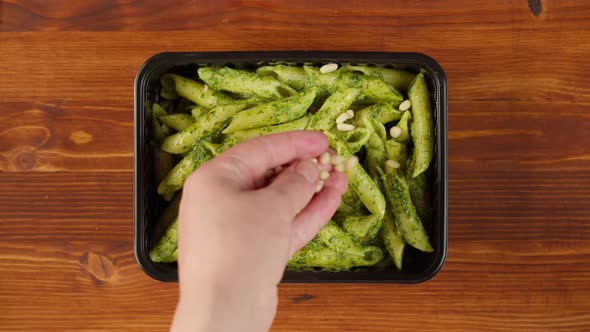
[{"x": 294, "y": 188}]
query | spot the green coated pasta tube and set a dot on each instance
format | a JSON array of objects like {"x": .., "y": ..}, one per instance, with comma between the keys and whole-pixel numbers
[
  {"x": 175, "y": 179},
  {"x": 338, "y": 240},
  {"x": 362, "y": 228},
  {"x": 372, "y": 89},
  {"x": 355, "y": 139},
  {"x": 244, "y": 82},
  {"x": 332, "y": 260},
  {"x": 334, "y": 249},
  {"x": 198, "y": 111},
  {"x": 211, "y": 124},
  {"x": 335, "y": 105},
  {"x": 382, "y": 112},
  {"x": 293, "y": 76},
  {"x": 326, "y": 83},
  {"x": 420, "y": 194},
  {"x": 376, "y": 155},
  {"x": 167, "y": 217},
  {"x": 165, "y": 250},
  {"x": 240, "y": 136},
  {"x": 359, "y": 180},
  {"x": 195, "y": 91},
  {"x": 168, "y": 90},
  {"x": 351, "y": 203},
  {"x": 397, "y": 151},
  {"x": 392, "y": 239},
  {"x": 273, "y": 113},
  {"x": 163, "y": 163},
  {"x": 407, "y": 220},
  {"x": 399, "y": 79},
  {"x": 404, "y": 125},
  {"x": 177, "y": 121},
  {"x": 422, "y": 125},
  {"x": 364, "y": 119},
  {"x": 159, "y": 131},
  {"x": 212, "y": 147}
]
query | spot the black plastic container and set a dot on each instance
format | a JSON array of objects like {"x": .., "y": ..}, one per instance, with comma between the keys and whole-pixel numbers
[{"x": 418, "y": 266}]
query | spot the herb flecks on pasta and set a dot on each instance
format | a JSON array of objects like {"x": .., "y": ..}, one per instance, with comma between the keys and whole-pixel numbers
[{"x": 379, "y": 118}]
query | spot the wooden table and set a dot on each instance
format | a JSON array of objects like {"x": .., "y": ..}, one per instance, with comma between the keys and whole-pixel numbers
[{"x": 519, "y": 159}]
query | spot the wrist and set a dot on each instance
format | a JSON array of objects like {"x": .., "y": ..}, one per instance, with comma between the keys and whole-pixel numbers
[{"x": 222, "y": 306}]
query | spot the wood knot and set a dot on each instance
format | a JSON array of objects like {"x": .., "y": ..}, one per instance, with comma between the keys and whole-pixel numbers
[
  {"x": 535, "y": 7},
  {"x": 99, "y": 266},
  {"x": 24, "y": 136},
  {"x": 80, "y": 137},
  {"x": 303, "y": 298},
  {"x": 25, "y": 161}
]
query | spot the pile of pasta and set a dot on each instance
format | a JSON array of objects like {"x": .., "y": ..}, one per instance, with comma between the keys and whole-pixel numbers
[{"x": 381, "y": 115}]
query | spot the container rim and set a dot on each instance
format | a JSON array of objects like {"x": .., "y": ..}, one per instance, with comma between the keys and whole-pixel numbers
[{"x": 423, "y": 61}]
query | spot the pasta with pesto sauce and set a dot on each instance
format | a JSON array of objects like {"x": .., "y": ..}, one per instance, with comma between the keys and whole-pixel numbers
[{"x": 383, "y": 116}]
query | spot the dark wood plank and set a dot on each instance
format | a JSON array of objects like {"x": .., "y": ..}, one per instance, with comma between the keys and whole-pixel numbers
[
  {"x": 94, "y": 135},
  {"x": 67, "y": 235},
  {"x": 534, "y": 58},
  {"x": 62, "y": 136},
  {"x": 94, "y": 15}
]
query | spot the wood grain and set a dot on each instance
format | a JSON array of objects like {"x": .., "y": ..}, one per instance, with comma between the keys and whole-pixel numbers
[{"x": 519, "y": 159}]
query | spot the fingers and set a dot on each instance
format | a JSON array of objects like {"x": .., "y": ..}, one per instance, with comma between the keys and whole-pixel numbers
[
  {"x": 248, "y": 161},
  {"x": 294, "y": 187},
  {"x": 318, "y": 212}
]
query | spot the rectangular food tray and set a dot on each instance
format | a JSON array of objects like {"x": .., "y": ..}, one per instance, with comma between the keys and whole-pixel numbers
[{"x": 418, "y": 266}]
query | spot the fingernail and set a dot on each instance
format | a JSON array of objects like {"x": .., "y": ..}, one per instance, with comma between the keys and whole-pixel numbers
[{"x": 309, "y": 170}]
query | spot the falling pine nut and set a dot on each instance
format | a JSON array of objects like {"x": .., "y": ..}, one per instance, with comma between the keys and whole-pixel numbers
[
  {"x": 330, "y": 67},
  {"x": 325, "y": 158},
  {"x": 350, "y": 162},
  {"x": 342, "y": 117},
  {"x": 392, "y": 164},
  {"x": 320, "y": 186},
  {"x": 395, "y": 131},
  {"x": 336, "y": 159},
  {"x": 344, "y": 127},
  {"x": 405, "y": 105},
  {"x": 324, "y": 175}
]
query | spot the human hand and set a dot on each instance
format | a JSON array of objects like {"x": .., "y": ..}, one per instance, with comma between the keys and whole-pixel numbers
[{"x": 235, "y": 237}]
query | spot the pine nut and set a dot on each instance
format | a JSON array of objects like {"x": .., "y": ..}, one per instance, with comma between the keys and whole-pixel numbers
[
  {"x": 325, "y": 158},
  {"x": 351, "y": 161},
  {"x": 320, "y": 186},
  {"x": 330, "y": 67},
  {"x": 336, "y": 159},
  {"x": 342, "y": 117},
  {"x": 324, "y": 175},
  {"x": 405, "y": 105},
  {"x": 395, "y": 131},
  {"x": 392, "y": 164},
  {"x": 344, "y": 127}
]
